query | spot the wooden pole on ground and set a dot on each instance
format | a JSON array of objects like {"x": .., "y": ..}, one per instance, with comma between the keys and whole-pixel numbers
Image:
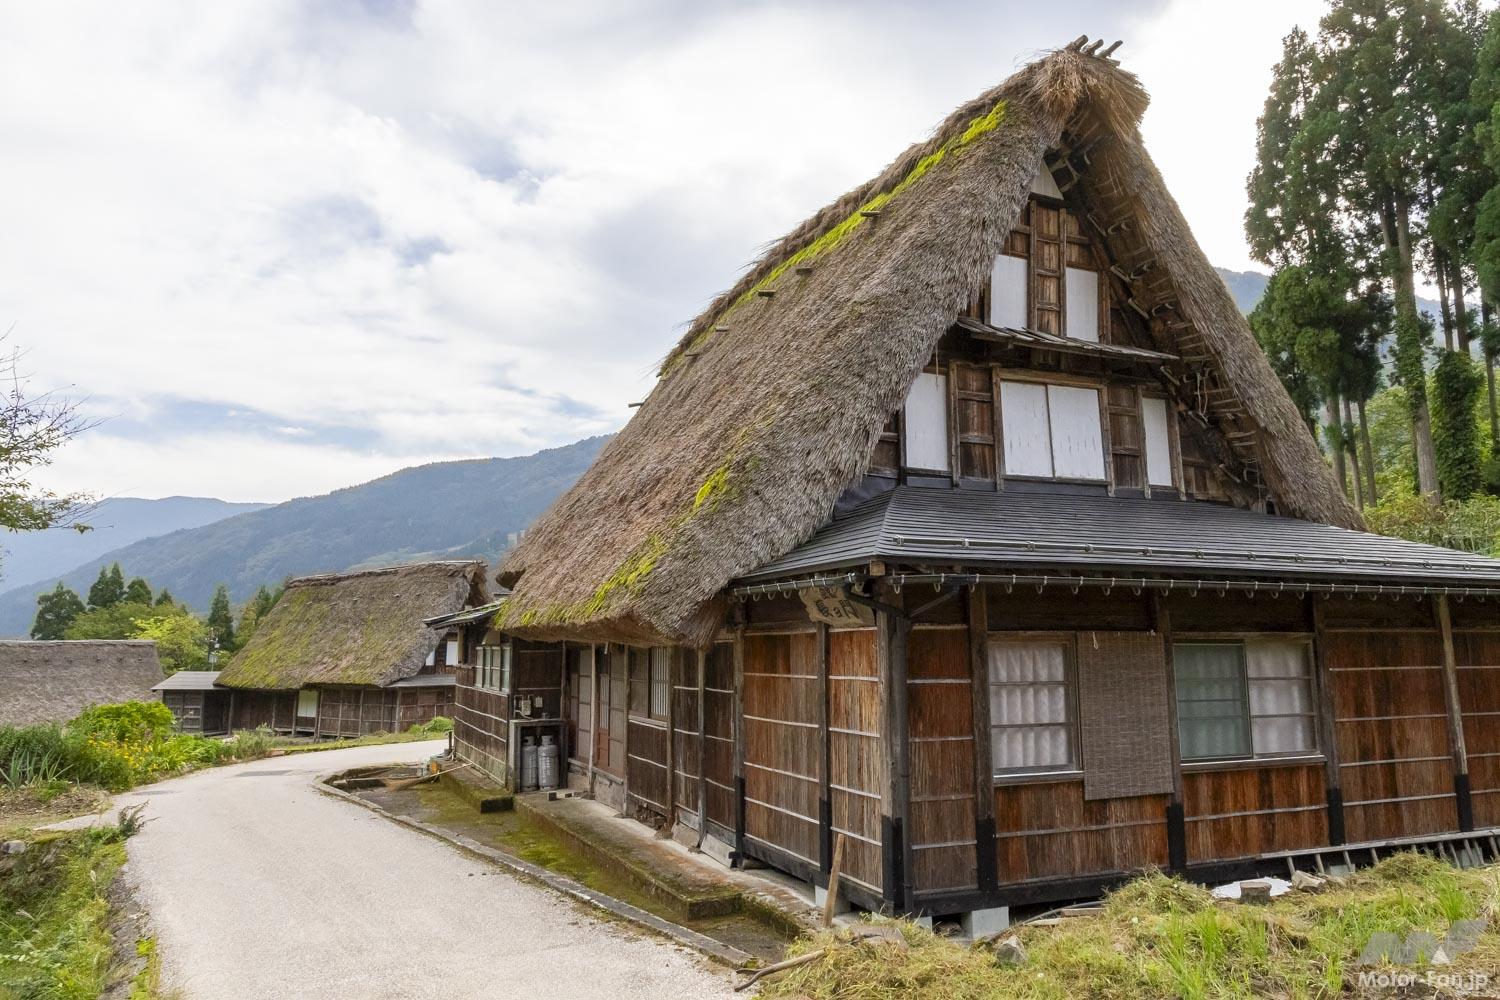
[{"x": 835, "y": 871}]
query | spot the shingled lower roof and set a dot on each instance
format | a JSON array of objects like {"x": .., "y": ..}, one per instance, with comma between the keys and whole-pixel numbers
[
  {"x": 54, "y": 681},
  {"x": 772, "y": 403},
  {"x": 1093, "y": 532},
  {"x": 357, "y": 628}
]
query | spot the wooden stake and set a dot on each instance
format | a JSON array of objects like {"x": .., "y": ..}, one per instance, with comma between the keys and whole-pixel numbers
[
  {"x": 758, "y": 974},
  {"x": 834, "y": 872}
]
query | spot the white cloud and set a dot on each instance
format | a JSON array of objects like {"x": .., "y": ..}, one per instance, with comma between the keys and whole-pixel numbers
[{"x": 285, "y": 247}]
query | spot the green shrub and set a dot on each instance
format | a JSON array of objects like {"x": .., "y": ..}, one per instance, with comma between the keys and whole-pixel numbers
[
  {"x": 439, "y": 724},
  {"x": 129, "y": 721},
  {"x": 251, "y": 743}
]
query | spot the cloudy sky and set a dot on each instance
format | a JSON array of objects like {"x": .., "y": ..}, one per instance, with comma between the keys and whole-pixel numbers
[{"x": 285, "y": 247}]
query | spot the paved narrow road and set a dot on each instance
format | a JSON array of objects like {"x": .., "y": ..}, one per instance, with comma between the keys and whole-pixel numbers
[{"x": 259, "y": 886}]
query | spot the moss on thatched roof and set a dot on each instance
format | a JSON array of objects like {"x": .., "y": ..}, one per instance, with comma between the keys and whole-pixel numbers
[
  {"x": 771, "y": 404},
  {"x": 357, "y": 628},
  {"x": 54, "y": 681}
]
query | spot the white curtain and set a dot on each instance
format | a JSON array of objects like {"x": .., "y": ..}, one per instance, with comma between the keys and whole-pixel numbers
[
  {"x": 1212, "y": 720},
  {"x": 1281, "y": 700},
  {"x": 1029, "y": 706}
]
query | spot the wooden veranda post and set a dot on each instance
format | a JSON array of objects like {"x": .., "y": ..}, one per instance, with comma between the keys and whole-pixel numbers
[
  {"x": 1176, "y": 820},
  {"x": 986, "y": 861},
  {"x": 825, "y": 807}
]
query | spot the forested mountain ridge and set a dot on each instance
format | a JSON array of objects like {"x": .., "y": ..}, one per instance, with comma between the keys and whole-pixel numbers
[{"x": 442, "y": 510}]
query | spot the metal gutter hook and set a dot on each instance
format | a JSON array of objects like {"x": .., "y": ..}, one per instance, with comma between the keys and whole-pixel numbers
[{"x": 1012, "y": 585}]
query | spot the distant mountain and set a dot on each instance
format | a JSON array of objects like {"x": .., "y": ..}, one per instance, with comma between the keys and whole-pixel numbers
[
  {"x": 1248, "y": 286},
  {"x": 30, "y": 556},
  {"x": 444, "y": 510}
]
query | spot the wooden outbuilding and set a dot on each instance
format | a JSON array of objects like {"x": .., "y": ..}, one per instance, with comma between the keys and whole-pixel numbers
[
  {"x": 198, "y": 702},
  {"x": 973, "y": 529},
  {"x": 54, "y": 681},
  {"x": 351, "y": 654}
]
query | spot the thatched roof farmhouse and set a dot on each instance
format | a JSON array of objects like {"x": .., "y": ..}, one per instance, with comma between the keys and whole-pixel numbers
[
  {"x": 363, "y": 628},
  {"x": 54, "y": 681},
  {"x": 971, "y": 540}
]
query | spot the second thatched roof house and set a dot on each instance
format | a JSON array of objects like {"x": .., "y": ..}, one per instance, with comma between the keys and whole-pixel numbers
[
  {"x": 54, "y": 681},
  {"x": 971, "y": 530},
  {"x": 350, "y": 654}
]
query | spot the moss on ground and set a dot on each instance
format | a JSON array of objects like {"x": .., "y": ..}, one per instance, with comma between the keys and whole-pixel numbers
[{"x": 1160, "y": 937}]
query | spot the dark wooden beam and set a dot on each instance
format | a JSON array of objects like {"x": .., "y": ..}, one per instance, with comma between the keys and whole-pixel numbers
[
  {"x": 1327, "y": 729},
  {"x": 986, "y": 860}
]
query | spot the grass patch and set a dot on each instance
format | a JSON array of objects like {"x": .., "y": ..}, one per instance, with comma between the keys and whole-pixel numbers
[
  {"x": 1160, "y": 937},
  {"x": 55, "y": 940}
]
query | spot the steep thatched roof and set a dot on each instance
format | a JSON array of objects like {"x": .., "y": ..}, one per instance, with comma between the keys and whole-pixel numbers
[
  {"x": 358, "y": 628},
  {"x": 54, "y": 681},
  {"x": 772, "y": 403}
]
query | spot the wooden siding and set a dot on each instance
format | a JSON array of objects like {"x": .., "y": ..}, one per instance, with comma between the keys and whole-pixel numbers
[
  {"x": 718, "y": 744},
  {"x": 1478, "y": 657},
  {"x": 580, "y": 693},
  {"x": 856, "y": 762},
  {"x": 479, "y": 729},
  {"x": 420, "y": 705},
  {"x": 251, "y": 709},
  {"x": 646, "y": 770},
  {"x": 1045, "y": 829},
  {"x": 940, "y": 706},
  {"x": 781, "y": 699},
  {"x": 686, "y": 740},
  {"x": 1391, "y": 724},
  {"x": 201, "y": 712},
  {"x": 1243, "y": 812}
]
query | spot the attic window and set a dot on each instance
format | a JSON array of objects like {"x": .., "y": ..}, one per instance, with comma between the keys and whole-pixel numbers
[
  {"x": 1052, "y": 431},
  {"x": 1083, "y": 304},
  {"x": 925, "y": 426},
  {"x": 1008, "y": 305},
  {"x": 1158, "y": 441}
]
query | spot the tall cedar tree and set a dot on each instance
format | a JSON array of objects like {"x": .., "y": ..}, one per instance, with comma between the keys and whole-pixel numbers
[
  {"x": 221, "y": 618},
  {"x": 1455, "y": 390},
  {"x": 1325, "y": 346},
  {"x": 109, "y": 589},
  {"x": 55, "y": 611},
  {"x": 1484, "y": 248},
  {"x": 165, "y": 599},
  {"x": 1348, "y": 159}
]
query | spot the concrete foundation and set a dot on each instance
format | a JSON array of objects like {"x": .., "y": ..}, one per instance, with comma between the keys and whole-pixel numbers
[{"x": 984, "y": 923}]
